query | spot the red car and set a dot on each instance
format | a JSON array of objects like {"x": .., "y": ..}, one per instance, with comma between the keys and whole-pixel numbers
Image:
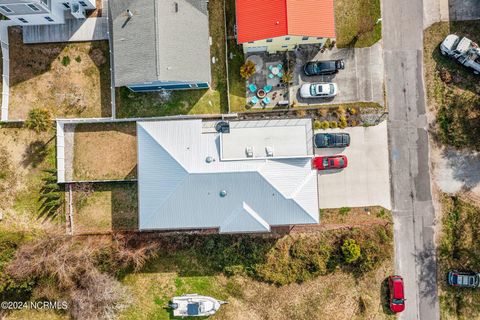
[
  {"x": 330, "y": 162},
  {"x": 397, "y": 296}
]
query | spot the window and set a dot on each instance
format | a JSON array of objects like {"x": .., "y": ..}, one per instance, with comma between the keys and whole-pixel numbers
[
  {"x": 48, "y": 19},
  {"x": 33, "y": 7},
  {"x": 83, "y": 3},
  {"x": 45, "y": 2},
  {"x": 319, "y": 38},
  {"x": 250, "y": 42},
  {"x": 23, "y": 20},
  {"x": 304, "y": 38},
  {"x": 287, "y": 38},
  {"x": 269, "y": 40},
  {"x": 6, "y": 9},
  {"x": 66, "y": 5},
  {"x": 284, "y": 46}
]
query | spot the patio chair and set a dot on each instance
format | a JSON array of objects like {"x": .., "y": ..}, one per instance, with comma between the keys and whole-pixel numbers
[
  {"x": 280, "y": 74},
  {"x": 267, "y": 88},
  {"x": 252, "y": 87},
  {"x": 270, "y": 67},
  {"x": 269, "y": 151},
  {"x": 280, "y": 66},
  {"x": 266, "y": 100},
  {"x": 254, "y": 100},
  {"x": 270, "y": 76},
  {"x": 249, "y": 151}
]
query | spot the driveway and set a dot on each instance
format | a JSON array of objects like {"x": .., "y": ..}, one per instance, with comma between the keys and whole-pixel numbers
[
  {"x": 361, "y": 80},
  {"x": 366, "y": 181}
]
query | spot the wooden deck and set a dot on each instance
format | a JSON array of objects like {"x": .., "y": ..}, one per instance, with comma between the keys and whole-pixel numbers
[{"x": 73, "y": 30}]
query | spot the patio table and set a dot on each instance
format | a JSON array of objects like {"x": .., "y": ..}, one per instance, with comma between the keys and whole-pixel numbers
[
  {"x": 261, "y": 93},
  {"x": 275, "y": 70}
]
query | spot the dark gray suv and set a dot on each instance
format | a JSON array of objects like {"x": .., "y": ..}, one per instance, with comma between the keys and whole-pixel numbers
[{"x": 316, "y": 68}]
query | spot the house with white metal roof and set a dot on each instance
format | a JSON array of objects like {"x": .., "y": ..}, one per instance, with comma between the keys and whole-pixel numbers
[{"x": 248, "y": 178}]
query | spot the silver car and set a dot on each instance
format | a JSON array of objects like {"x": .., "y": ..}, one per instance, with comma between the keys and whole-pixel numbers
[{"x": 318, "y": 90}]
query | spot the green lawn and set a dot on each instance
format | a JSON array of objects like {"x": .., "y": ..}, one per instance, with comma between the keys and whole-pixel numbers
[
  {"x": 211, "y": 101},
  {"x": 355, "y": 23},
  {"x": 452, "y": 90},
  {"x": 459, "y": 249},
  {"x": 105, "y": 207},
  {"x": 237, "y": 92}
]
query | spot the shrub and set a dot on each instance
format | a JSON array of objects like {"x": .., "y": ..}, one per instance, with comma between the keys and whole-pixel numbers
[
  {"x": 325, "y": 125},
  {"x": 446, "y": 76},
  {"x": 300, "y": 113},
  {"x": 333, "y": 124},
  {"x": 38, "y": 119},
  {"x": 341, "y": 111},
  {"x": 78, "y": 59},
  {"x": 351, "y": 251},
  {"x": 66, "y": 61},
  {"x": 343, "y": 122},
  {"x": 287, "y": 77},
  {"x": 247, "y": 69},
  {"x": 352, "y": 111},
  {"x": 322, "y": 112},
  {"x": 344, "y": 210},
  {"x": 317, "y": 125},
  {"x": 353, "y": 123}
]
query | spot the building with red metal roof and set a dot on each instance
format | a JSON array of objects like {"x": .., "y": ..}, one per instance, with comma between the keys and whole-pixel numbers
[{"x": 278, "y": 25}]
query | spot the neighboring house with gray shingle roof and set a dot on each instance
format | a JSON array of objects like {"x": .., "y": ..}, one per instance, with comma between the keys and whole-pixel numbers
[
  {"x": 160, "y": 44},
  {"x": 187, "y": 179}
]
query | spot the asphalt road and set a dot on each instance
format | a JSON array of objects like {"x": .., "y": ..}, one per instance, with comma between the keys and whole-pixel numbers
[{"x": 412, "y": 205}]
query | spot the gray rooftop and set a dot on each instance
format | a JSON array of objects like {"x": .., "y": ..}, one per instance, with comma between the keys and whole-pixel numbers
[{"x": 164, "y": 40}]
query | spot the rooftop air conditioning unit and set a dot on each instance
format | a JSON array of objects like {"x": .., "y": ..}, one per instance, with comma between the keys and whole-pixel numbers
[{"x": 77, "y": 10}]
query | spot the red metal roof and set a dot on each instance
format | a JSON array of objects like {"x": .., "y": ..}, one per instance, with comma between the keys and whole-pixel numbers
[{"x": 264, "y": 19}]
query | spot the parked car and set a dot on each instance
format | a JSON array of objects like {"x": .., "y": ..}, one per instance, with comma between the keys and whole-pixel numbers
[
  {"x": 330, "y": 162},
  {"x": 318, "y": 90},
  {"x": 396, "y": 292},
  {"x": 464, "y": 279},
  {"x": 316, "y": 68},
  {"x": 332, "y": 140}
]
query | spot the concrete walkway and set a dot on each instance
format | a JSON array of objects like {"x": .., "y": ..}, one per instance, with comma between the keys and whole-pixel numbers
[
  {"x": 73, "y": 30},
  {"x": 4, "y": 24}
]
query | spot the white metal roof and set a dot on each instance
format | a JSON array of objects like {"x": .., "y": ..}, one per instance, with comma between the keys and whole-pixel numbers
[
  {"x": 283, "y": 138},
  {"x": 179, "y": 189}
]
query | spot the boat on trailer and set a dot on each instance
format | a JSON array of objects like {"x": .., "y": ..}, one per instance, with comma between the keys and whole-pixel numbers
[{"x": 194, "y": 305}]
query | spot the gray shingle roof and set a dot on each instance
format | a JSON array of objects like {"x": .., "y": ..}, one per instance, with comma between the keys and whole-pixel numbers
[{"x": 166, "y": 40}]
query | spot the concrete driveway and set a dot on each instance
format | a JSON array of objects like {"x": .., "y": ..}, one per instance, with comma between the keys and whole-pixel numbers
[
  {"x": 361, "y": 80},
  {"x": 366, "y": 180}
]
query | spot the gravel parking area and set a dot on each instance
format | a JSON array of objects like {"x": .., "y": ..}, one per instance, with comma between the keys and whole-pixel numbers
[
  {"x": 361, "y": 80},
  {"x": 366, "y": 180}
]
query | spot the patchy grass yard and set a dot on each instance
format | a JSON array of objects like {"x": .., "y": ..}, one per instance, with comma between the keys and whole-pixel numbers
[
  {"x": 237, "y": 92},
  {"x": 251, "y": 264},
  {"x": 458, "y": 250},
  {"x": 355, "y": 216},
  {"x": 453, "y": 91},
  {"x": 356, "y": 23},
  {"x": 105, "y": 151},
  {"x": 26, "y": 156},
  {"x": 211, "y": 101},
  {"x": 105, "y": 207},
  {"x": 69, "y": 79}
]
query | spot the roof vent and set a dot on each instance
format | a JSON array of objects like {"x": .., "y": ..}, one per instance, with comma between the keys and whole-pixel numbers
[
  {"x": 223, "y": 193},
  {"x": 209, "y": 159},
  {"x": 176, "y": 6},
  {"x": 130, "y": 14},
  {"x": 222, "y": 126}
]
